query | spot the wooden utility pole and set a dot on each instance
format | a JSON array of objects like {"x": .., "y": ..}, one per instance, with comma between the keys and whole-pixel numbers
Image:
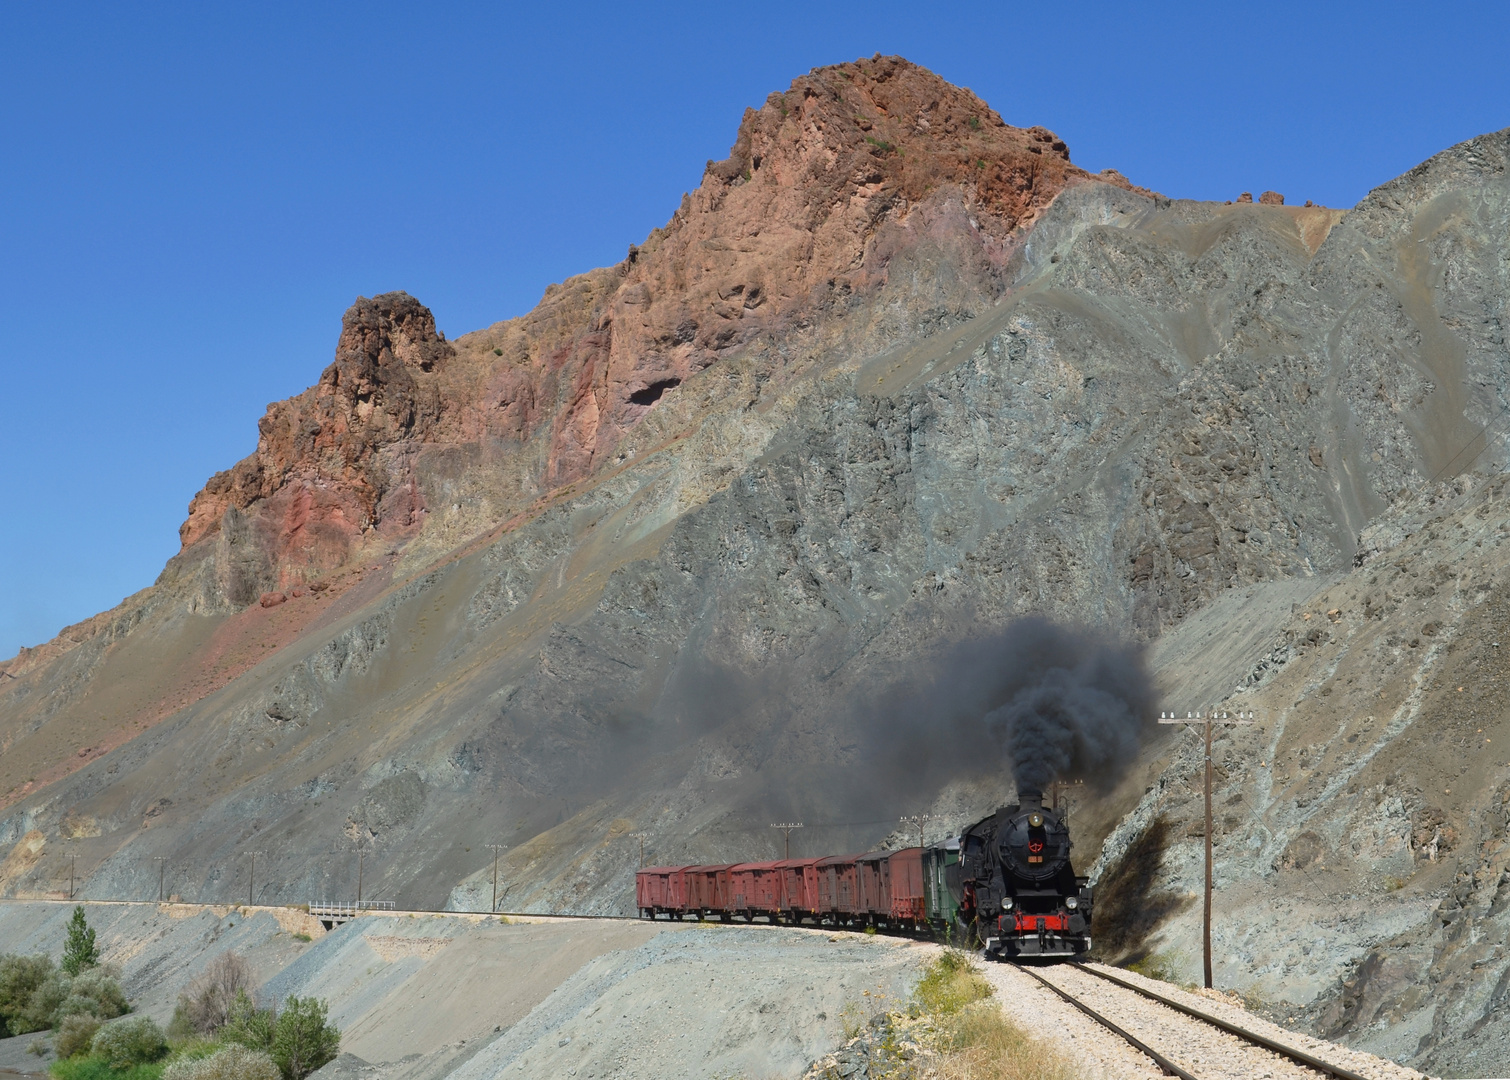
[
  {"x": 498, "y": 849},
  {"x": 786, "y": 828},
  {"x": 251, "y": 877},
  {"x": 641, "y": 838},
  {"x": 1207, "y": 720},
  {"x": 919, "y": 820},
  {"x": 72, "y": 859},
  {"x": 361, "y": 843},
  {"x": 162, "y": 862}
]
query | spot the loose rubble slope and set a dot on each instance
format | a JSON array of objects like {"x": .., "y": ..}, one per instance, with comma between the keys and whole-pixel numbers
[{"x": 422, "y": 997}]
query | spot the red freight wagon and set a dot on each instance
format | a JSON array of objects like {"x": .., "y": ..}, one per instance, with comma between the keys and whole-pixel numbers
[
  {"x": 837, "y": 891},
  {"x": 661, "y": 888},
  {"x": 708, "y": 888},
  {"x": 755, "y": 888},
  {"x": 905, "y": 885},
  {"x": 799, "y": 886},
  {"x": 871, "y": 873}
]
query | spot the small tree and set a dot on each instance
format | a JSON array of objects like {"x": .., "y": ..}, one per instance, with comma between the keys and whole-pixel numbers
[
  {"x": 79, "y": 951},
  {"x": 248, "y": 1025},
  {"x": 205, "y": 1007},
  {"x": 303, "y": 1041}
]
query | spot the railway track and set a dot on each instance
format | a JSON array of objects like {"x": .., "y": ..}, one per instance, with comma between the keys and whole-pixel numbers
[{"x": 1189, "y": 1042}]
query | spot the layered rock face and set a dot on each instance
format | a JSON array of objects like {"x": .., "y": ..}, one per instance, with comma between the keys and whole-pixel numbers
[
  {"x": 827, "y": 184},
  {"x": 605, "y": 572}
]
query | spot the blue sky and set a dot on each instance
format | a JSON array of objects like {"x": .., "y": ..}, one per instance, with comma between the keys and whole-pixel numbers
[{"x": 191, "y": 195}]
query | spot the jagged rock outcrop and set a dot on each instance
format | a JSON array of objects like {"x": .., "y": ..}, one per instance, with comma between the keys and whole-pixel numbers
[
  {"x": 827, "y": 184},
  {"x": 329, "y": 463}
]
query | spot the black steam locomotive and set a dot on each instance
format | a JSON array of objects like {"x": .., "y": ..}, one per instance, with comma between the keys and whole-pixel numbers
[{"x": 1016, "y": 891}]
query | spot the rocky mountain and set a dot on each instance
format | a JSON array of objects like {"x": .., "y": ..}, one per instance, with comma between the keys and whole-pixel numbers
[{"x": 680, "y": 549}]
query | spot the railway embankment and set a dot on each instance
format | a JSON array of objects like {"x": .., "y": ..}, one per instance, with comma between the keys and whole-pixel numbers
[{"x": 419, "y": 996}]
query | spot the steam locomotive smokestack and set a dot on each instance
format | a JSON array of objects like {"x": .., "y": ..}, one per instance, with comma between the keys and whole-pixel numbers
[{"x": 1030, "y": 799}]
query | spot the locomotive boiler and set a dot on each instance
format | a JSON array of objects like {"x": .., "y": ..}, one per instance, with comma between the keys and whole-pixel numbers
[{"x": 1016, "y": 889}]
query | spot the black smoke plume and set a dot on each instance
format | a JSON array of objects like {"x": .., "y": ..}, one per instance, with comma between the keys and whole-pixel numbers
[
  {"x": 1050, "y": 702},
  {"x": 819, "y": 738}
]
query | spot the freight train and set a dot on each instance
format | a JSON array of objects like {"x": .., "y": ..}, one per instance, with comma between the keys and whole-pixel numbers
[{"x": 1005, "y": 885}]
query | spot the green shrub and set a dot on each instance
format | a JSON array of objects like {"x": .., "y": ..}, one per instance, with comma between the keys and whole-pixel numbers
[
  {"x": 950, "y": 983},
  {"x": 304, "y": 1040},
  {"x": 75, "y": 1035},
  {"x": 1156, "y": 966},
  {"x": 46, "y": 1004},
  {"x": 34, "y": 995},
  {"x": 193, "y": 1048},
  {"x": 136, "y": 1040},
  {"x": 248, "y": 1025},
  {"x": 97, "y": 1068},
  {"x": 79, "y": 951},
  {"x": 299, "y": 1039},
  {"x": 94, "y": 992},
  {"x": 180, "y": 1028},
  {"x": 20, "y": 978},
  {"x": 227, "y": 1063}
]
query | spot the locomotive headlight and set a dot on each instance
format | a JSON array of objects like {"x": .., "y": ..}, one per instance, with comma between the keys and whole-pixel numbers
[
  {"x": 1072, "y": 902},
  {"x": 1035, "y": 820},
  {"x": 1006, "y": 903}
]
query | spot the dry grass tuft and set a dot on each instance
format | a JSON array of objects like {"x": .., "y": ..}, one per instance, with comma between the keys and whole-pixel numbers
[
  {"x": 980, "y": 1043},
  {"x": 953, "y": 1029},
  {"x": 975, "y": 1040}
]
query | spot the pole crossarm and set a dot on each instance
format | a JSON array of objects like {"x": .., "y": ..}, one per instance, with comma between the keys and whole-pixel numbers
[
  {"x": 786, "y": 828},
  {"x": 1207, "y": 720},
  {"x": 919, "y": 820}
]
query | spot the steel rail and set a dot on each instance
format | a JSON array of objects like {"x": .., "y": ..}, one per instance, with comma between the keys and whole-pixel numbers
[
  {"x": 1309, "y": 1060},
  {"x": 1168, "y": 1067}
]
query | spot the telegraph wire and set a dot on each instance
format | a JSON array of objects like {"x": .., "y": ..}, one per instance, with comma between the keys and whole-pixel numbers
[{"x": 1481, "y": 432}]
